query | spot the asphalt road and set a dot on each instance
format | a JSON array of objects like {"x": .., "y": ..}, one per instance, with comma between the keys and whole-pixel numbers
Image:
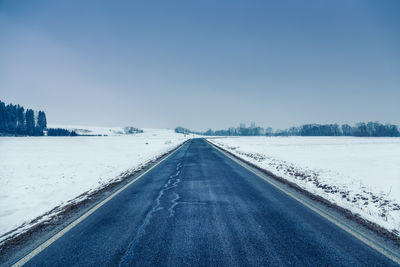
[{"x": 200, "y": 208}]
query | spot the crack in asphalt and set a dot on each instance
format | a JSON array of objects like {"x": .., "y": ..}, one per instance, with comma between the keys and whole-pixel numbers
[
  {"x": 174, "y": 203},
  {"x": 172, "y": 182}
]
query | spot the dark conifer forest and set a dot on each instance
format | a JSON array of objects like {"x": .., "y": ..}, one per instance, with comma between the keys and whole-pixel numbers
[{"x": 16, "y": 120}]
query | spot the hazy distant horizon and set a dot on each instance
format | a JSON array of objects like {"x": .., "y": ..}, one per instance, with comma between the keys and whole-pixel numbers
[
  {"x": 202, "y": 65},
  {"x": 247, "y": 124}
]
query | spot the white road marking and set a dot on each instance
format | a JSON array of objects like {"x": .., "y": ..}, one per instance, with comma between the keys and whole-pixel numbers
[
  {"x": 84, "y": 216},
  {"x": 389, "y": 254}
]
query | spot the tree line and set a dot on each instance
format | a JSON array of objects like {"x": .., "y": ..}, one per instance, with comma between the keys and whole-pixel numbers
[
  {"x": 60, "y": 132},
  {"x": 15, "y": 120},
  {"x": 370, "y": 129}
]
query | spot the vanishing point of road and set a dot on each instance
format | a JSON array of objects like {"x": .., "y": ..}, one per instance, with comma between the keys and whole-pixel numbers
[{"x": 199, "y": 207}]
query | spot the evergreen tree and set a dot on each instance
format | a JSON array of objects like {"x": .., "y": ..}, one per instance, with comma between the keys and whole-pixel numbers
[
  {"x": 3, "y": 127},
  {"x": 42, "y": 122},
  {"x": 11, "y": 118},
  {"x": 20, "y": 120},
  {"x": 29, "y": 122}
]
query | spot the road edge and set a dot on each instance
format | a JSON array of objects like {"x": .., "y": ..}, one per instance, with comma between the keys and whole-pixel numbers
[{"x": 279, "y": 181}]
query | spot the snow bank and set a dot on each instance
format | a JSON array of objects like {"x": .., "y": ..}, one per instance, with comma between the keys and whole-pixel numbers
[
  {"x": 40, "y": 173},
  {"x": 359, "y": 174}
]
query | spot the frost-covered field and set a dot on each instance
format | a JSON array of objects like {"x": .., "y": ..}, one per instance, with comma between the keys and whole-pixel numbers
[
  {"x": 40, "y": 173},
  {"x": 359, "y": 174}
]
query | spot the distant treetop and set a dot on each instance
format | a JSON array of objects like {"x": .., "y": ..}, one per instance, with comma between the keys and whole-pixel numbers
[{"x": 370, "y": 129}]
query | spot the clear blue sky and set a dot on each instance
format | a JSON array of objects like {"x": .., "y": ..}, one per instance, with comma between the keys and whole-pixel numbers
[{"x": 202, "y": 64}]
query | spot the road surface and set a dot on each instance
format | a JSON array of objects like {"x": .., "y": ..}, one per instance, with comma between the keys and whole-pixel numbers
[{"x": 200, "y": 208}]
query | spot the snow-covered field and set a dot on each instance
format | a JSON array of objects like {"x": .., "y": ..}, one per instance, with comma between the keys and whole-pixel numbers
[
  {"x": 40, "y": 173},
  {"x": 359, "y": 174}
]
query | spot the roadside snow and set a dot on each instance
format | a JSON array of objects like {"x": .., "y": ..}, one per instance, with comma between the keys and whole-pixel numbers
[
  {"x": 40, "y": 173},
  {"x": 359, "y": 174}
]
